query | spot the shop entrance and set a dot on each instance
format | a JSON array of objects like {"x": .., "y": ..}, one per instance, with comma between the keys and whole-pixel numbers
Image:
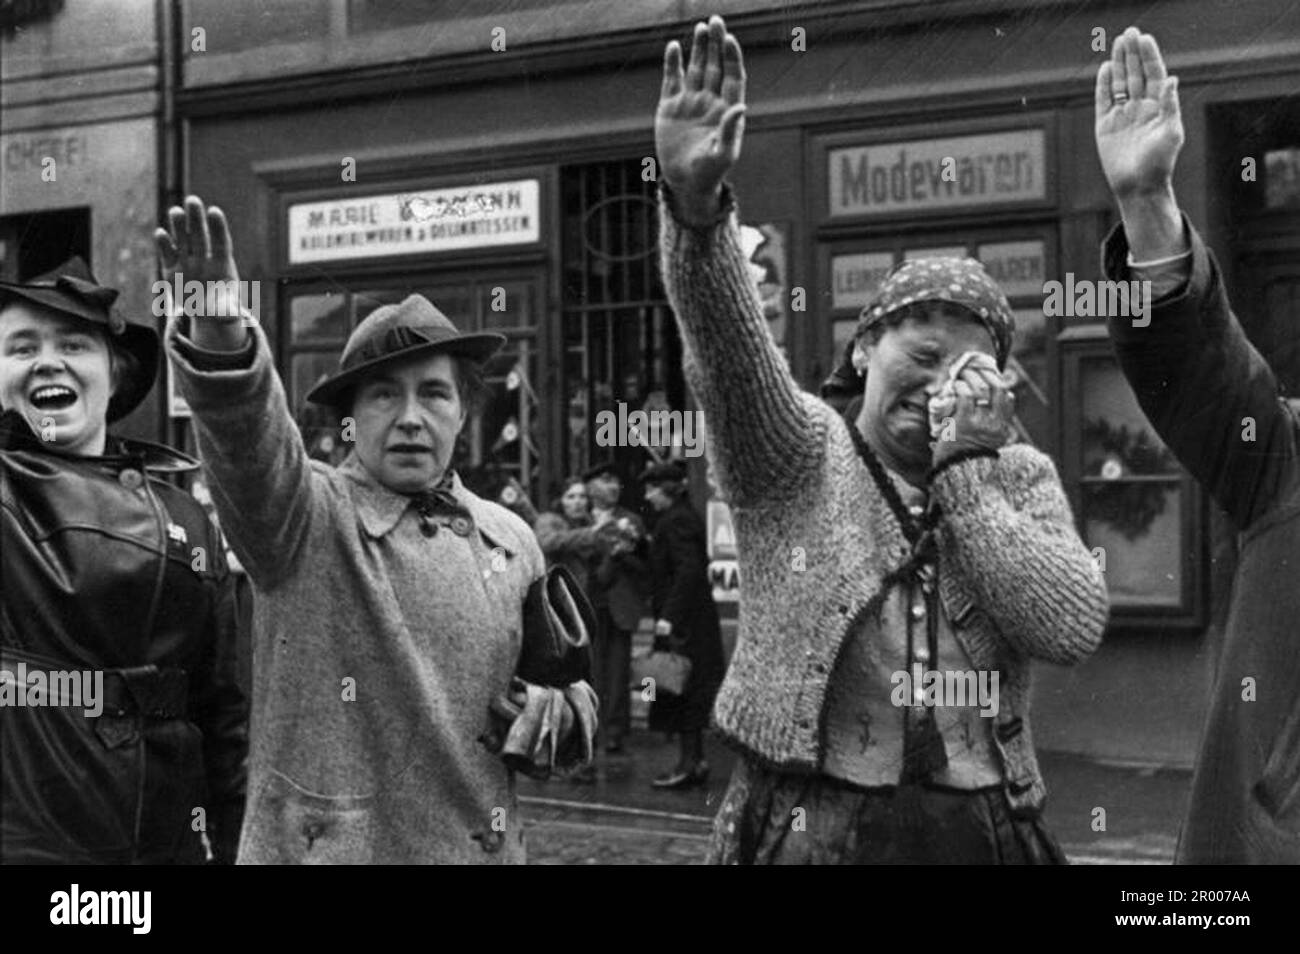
[
  {"x": 503, "y": 444},
  {"x": 1263, "y": 206},
  {"x": 621, "y": 344}
]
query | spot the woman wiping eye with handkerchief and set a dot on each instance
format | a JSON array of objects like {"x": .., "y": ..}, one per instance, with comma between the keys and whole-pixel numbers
[{"x": 879, "y": 691}]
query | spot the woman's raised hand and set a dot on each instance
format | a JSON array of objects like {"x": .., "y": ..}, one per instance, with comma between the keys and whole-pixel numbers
[
  {"x": 701, "y": 119},
  {"x": 196, "y": 247}
]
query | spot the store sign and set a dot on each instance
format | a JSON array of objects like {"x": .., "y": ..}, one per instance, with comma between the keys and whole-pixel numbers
[
  {"x": 856, "y": 278},
  {"x": 416, "y": 223},
  {"x": 1019, "y": 268},
  {"x": 926, "y": 175}
]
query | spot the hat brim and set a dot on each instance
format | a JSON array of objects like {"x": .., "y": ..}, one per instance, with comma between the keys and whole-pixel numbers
[
  {"x": 477, "y": 347},
  {"x": 600, "y": 471},
  {"x": 140, "y": 341}
]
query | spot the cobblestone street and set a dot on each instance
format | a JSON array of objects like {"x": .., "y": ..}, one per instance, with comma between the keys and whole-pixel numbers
[{"x": 620, "y": 820}]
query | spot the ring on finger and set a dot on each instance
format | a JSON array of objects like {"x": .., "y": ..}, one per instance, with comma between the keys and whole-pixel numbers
[
  {"x": 1120, "y": 98},
  {"x": 983, "y": 402}
]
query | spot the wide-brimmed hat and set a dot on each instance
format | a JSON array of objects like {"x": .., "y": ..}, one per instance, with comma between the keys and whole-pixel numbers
[
  {"x": 667, "y": 472},
  {"x": 395, "y": 333},
  {"x": 71, "y": 289},
  {"x": 604, "y": 468}
]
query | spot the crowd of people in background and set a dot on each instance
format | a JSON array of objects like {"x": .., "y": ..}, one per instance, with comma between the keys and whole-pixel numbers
[{"x": 634, "y": 576}]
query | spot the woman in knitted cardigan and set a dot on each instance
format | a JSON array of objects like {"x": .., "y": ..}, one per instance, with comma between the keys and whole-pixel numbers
[{"x": 899, "y": 570}]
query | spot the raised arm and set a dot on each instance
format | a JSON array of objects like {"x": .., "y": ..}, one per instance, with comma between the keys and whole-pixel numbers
[
  {"x": 259, "y": 471},
  {"x": 762, "y": 438},
  {"x": 1206, "y": 390}
]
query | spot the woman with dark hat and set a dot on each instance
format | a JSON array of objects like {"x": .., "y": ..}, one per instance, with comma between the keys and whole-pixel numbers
[
  {"x": 686, "y": 620},
  {"x": 114, "y": 590},
  {"x": 912, "y": 542}
]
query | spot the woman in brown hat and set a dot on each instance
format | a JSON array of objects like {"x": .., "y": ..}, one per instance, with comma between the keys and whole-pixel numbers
[
  {"x": 389, "y": 597},
  {"x": 125, "y": 736}
]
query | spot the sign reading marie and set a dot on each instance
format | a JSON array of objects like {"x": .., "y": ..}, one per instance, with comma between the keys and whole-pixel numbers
[
  {"x": 416, "y": 223},
  {"x": 923, "y": 175}
]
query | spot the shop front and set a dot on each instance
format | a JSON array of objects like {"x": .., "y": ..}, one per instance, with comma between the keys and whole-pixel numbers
[{"x": 522, "y": 200}]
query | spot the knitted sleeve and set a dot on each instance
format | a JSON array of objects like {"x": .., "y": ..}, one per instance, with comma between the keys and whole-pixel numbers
[
  {"x": 762, "y": 440},
  {"x": 1007, "y": 524}
]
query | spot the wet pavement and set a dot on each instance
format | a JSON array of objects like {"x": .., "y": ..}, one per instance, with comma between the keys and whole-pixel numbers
[{"x": 1101, "y": 813}]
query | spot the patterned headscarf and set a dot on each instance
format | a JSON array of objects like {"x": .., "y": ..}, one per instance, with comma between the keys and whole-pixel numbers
[{"x": 961, "y": 281}]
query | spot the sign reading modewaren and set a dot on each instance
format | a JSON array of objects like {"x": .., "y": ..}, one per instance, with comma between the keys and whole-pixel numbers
[
  {"x": 927, "y": 174},
  {"x": 414, "y": 223}
]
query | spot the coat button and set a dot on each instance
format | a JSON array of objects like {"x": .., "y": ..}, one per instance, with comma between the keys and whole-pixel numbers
[
  {"x": 461, "y": 526},
  {"x": 131, "y": 479},
  {"x": 918, "y": 611}
]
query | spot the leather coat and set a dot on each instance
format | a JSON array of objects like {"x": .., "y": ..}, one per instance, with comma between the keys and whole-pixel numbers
[{"x": 106, "y": 568}]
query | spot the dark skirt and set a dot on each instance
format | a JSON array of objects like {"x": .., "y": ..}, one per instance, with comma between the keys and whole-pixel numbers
[
  {"x": 777, "y": 818},
  {"x": 689, "y": 712}
]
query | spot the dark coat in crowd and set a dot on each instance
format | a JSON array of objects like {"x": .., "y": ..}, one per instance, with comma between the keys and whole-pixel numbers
[
  {"x": 108, "y": 568},
  {"x": 679, "y": 569},
  {"x": 1214, "y": 400},
  {"x": 619, "y": 579}
]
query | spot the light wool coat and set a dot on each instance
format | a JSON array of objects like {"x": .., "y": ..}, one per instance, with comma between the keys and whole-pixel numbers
[{"x": 377, "y": 650}]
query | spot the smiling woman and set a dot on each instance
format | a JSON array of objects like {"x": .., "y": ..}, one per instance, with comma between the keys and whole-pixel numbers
[
  {"x": 151, "y": 609},
  {"x": 57, "y": 373}
]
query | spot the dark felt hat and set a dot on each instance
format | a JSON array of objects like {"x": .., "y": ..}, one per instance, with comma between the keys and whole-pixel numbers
[
  {"x": 71, "y": 289},
  {"x": 669, "y": 472},
  {"x": 598, "y": 470},
  {"x": 398, "y": 332}
]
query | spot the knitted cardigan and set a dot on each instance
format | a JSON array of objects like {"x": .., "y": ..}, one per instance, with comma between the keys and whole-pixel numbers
[{"x": 816, "y": 538}]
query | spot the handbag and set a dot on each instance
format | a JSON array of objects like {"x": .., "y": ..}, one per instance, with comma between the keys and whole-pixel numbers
[
  {"x": 669, "y": 671},
  {"x": 558, "y": 622},
  {"x": 546, "y": 718}
]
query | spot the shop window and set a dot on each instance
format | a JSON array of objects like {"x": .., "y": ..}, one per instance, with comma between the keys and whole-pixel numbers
[
  {"x": 35, "y": 242},
  {"x": 1137, "y": 509}
]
